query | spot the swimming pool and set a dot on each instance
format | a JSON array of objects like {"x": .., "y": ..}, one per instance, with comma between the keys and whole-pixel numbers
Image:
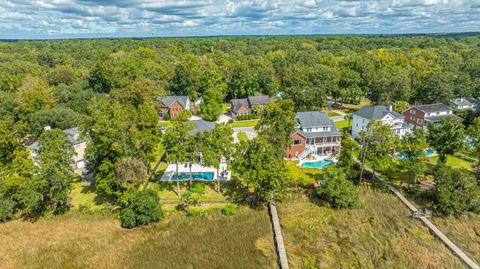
[
  {"x": 318, "y": 164},
  {"x": 207, "y": 176},
  {"x": 428, "y": 153}
]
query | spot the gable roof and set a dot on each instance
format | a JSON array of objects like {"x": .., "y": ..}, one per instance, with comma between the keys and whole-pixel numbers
[
  {"x": 462, "y": 102},
  {"x": 258, "y": 100},
  {"x": 238, "y": 103},
  {"x": 313, "y": 119},
  {"x": 169, "y": 100},
  {"x": 433, "y": 108},
  {"x": 201, "y": 126},
  {"x": 376, "y": 113}
]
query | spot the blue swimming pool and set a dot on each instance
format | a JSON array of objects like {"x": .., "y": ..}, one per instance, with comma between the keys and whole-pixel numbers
[
  {"x": 195, "y": 175},
  {"x": 428, "y": 153},
  {"x": 318, "y": 164}
]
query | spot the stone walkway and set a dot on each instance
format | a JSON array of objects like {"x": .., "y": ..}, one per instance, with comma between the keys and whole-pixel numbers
[{"x": 277, "y": 230}]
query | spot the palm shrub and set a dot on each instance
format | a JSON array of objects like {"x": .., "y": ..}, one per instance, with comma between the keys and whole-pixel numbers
[
  {"x": 145, "y": 208},
  {"x": 336, "y": 190}
]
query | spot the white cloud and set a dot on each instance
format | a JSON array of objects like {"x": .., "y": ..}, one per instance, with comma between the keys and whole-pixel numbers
[{"x": 58, "y": 18}]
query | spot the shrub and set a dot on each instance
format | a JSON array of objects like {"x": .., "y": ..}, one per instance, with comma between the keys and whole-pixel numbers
[
  {"x": 83, "y": 207},
  {"x": 229, "y": 210},
  {"x": 190, "y": 198},
  {"x": 198, "y": 188},
  {"x": 230, "y": 121},
  {"x": 246, "y": 117},
  {"x": 144, "y": 209},
  {"x": 6, "y": 210},
  {"x": 336, "y": 190},
  {"x": 196, "y": 212}
]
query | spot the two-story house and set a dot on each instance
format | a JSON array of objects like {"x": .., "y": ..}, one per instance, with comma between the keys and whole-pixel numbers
[
  {"x": 171, "y": 106},
  {"x": 245, "y": 106},
  {"x": 79, "y": 144},
  {"x": 315, "y": 134},
  {"x": 362, "y": 117},
  {"x": 420, "y": 116}
]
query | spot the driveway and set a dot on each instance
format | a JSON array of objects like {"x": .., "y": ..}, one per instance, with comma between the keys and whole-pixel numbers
[
  {"x": 249, "y": 131},
  {"x": 224, "y": 118}
]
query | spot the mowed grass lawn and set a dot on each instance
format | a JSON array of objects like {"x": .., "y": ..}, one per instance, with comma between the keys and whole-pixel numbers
[
  {"x": 343, "y": 124},
  {"x": 301, "y": 175},
  {"x": 244, "y": 123},
  {"x": 380, "y": 234},
  {"x": 97, "y": 241},
  {"x": 453, "y": 161}
]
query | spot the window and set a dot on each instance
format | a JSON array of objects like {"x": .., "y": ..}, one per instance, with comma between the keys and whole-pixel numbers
[
  {"x": 309, "y": 129},
  {"x": 412, "y": 111},
  {"x": 326, "y": 129},
  {"x": 297, "y": 142}
]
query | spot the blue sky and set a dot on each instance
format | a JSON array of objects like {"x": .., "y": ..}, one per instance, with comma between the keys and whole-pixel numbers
[{"x": 144, "y": 18}]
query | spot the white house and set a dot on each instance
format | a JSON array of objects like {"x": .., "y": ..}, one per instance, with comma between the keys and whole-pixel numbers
[
  {"x": 79, "y": 144},
  {"x": 366, "y": 114},
  {"x": 462, "y": 103}
]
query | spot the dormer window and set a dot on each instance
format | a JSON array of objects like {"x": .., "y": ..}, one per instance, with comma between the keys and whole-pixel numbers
[
  {"x": 326, "y": 129},
  {"x": 309, "y": 130}
]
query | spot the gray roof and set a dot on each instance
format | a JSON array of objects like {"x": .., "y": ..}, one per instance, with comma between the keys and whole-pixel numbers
[
  {"x": 313, "y": 119},
  {"x": 238, "y": 103},
  {"x": 333, "y": 132},
  {"x": 169, "y": 100},
  {"x": 249, "y": 102},
  {"x": 201, "y": 126},
  {"x": 433, "y": 108},
  {"x": 462, "y": 102},
  {"x": 258, "y": 100},
  {"x": 376, "y": 112},
  {"x": 73, "y": 136},
  {"x": 439, "y": 117}
]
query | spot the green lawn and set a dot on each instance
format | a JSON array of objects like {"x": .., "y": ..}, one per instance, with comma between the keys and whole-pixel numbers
[
  {"x": 244, "y": 123},
  {"x": 242, "y": 136},
  {"x": 379, "y": 234},
  {"x": 331, "y": 113},
  {"x": 343, "y": 124},
  {"x": 301, "y": 175},
  {"x": 453, "y": 162}
]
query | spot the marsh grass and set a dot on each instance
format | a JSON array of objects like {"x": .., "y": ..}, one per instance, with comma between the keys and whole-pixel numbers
[
  {"x": 97, "y": 241},
  {"x": 380, "y": 234}
]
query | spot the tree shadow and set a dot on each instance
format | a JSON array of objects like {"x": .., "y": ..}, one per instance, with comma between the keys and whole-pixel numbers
[{"x": 235, "y": 192}]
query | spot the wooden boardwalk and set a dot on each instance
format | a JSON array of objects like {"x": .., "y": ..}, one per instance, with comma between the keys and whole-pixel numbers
[
  {"x": 454, "y": 248},
  {"x": 282, "y": 254}
]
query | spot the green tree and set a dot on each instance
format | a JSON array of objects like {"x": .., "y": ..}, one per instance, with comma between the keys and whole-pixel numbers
[
  {"x": 258, "y": 167},
  {"x": 412, "y": 151},
  {"x": 61, "y": 74},
  {"x": 277, "y": 122},
  {"x": 102, "y": 77},
  {"x": 456, "y": 191},
  {"x": 334, "y": 188},
  {"x": 345, "y": 159},
  {"x": 175, "y": 141},
  {"x": 56, "y": 118},
  {"x": 378, "y": 145},
  {"x": 144, "y": 209},
  {"x": 33, "y": 96},
  {"x": 211, "y": 107},
  {"x": 55, "y": 176},
  {"x": 446, "y": 137},
  {"x": 474, "y": 133},
  {"x": 400, "y": 106}
]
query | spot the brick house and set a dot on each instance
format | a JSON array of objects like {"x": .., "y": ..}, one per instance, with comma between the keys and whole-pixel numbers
[
  {"x": 316, "y": 134},
  {"x": 420, "y": 116},
  {"x": 244, "y": 106},
  {"x": 172, "y": 106}
]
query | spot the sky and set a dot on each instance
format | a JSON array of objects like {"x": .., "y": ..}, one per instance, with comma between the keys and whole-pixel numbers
[{"x": 38, "y": 19}]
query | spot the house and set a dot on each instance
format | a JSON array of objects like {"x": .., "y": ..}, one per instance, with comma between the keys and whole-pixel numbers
[
  {"x": 201, "y": 126},
  {"x": 171, "y": 106},
  {"x": 316, "y": 134},
  {"x": 420, "y": 116},
  {"x": 245, "y": 106},
  {"x": 79, "y": 144},
  {"x": 362, "y": 117},
  {"x": 462, "y": 103}
]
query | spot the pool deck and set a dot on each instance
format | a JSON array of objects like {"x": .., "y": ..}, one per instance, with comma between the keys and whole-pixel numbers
[
  {"x": 316, "y": 159},
  {"x": 170, "y": 172}
]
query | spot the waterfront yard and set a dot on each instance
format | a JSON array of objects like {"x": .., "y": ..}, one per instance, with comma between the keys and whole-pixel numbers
[
  {"x": 97, "y": 241},
  {"x": 380, "y": 234}
]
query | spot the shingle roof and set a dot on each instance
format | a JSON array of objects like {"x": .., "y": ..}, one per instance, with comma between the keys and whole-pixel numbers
[
  {"x": 238, "y": 103},
  {"x": 201, "y": 126},
  {"x": 376, "y": 112},
  {"x": 258, "y": 100},
  {"x": 313, "y": 119},
  {"x": 462, "y": 102},
  {"x": 74, "y": 135},
  {"x": 439, "y": 117},
  {"x": 169, "y": 100},
  {"x": 433, "y": 108}
]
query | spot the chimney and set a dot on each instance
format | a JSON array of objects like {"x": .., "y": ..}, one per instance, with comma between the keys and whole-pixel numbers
[
  {"x": 390, "y": 108},
  {"x": 461, "y": 99}
]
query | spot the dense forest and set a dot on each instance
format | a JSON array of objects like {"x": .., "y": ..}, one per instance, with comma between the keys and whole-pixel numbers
[{"x": 106, "y": 87}]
